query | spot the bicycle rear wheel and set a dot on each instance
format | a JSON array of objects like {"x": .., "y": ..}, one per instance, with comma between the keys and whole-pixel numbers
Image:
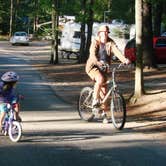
[
  {"x": 15, "y": 131},
  {"x": 85, "y": 104},
  {"x": 118, "y": 110}
]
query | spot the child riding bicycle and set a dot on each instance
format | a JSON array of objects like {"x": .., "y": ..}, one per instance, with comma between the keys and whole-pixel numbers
[
  {"x": 8, "y": 95},
  {"x": 101, "y": 51}
]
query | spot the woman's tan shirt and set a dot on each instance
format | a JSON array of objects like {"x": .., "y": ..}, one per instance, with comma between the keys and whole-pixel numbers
[{"x": 111, "y": 49}]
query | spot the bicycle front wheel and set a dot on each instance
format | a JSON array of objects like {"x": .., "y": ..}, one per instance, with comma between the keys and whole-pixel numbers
[
  {"x": 85, "y": 104},
  {"x": 15, "y": 131},
  {"x": 118, "y": 110}
]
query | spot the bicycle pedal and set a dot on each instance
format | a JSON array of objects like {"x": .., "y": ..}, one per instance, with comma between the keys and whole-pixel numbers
[
  {"x": 5, "y": 133},
  {"x": 105, "y": 121},
  {"x": 97, "y": 111}
]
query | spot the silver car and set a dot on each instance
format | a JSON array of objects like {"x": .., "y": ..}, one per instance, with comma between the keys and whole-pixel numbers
[{"x": 20, "y": 38}]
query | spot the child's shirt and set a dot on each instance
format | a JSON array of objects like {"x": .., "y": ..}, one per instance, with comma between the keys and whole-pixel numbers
[{"x": 7, "y": 96}]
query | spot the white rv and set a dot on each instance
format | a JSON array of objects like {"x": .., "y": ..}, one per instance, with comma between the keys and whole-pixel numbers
[{"x": 70, "y": 40}]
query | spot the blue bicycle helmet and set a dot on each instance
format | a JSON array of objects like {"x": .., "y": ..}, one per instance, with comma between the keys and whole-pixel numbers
[{"x": 10, "y": 76}]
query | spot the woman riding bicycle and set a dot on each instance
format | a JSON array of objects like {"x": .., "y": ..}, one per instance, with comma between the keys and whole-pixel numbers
[
  {"x": 8, "y": 95},
  {"x": 101, "y": 51}
]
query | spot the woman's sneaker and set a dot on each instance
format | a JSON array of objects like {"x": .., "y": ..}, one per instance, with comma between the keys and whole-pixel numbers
[
  {"x": 95, "y": 103},
  {"x": 105, "y": 119},
  {"x": 95, "y": 107}
]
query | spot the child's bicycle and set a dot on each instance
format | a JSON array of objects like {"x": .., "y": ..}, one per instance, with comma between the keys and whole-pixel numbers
[
  {"x": 11, "y": 127},
  {"x": 117, "y": 104}
]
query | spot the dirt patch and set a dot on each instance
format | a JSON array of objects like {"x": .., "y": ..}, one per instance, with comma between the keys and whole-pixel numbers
[{"x": 68, "y": 79}]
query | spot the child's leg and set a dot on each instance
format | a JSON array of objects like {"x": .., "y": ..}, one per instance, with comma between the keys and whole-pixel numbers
[
  {"x": 3, "y": 109},
  {"x": 16, "y": 107},
  {"x": 2, "y": 116}
]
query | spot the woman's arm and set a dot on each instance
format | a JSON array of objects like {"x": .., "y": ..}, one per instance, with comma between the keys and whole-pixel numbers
[
  {"x": 119, "y": 55},
  {"x": 93, "y": 52}
]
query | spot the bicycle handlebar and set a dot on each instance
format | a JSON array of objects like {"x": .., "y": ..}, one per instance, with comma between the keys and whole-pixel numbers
[
  {"x": 114, "y": 70},
  {"x": 118, "y": 67},
  {"x": 106, "y": 67}
]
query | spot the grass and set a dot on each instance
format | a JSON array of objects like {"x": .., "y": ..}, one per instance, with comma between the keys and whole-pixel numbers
[{"x": 4, "y": 37}]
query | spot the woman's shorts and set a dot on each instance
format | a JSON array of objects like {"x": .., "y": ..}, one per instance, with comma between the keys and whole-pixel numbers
[{"x": 94, "y": 72}]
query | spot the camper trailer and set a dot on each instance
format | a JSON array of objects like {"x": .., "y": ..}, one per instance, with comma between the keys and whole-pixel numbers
[{"x": 71, "y": 38}]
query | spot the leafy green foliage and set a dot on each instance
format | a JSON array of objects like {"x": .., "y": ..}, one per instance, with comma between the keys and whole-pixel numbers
[
  {"x": 4, "y": 19},
  {"x": 119, "y": 9}
]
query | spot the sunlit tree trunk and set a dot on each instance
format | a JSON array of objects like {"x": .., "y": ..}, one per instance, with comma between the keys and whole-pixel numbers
[{"x": 139, "y": 86}]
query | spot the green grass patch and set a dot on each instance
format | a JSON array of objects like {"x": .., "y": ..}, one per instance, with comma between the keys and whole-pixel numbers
[{"x": 4, "y": 38}]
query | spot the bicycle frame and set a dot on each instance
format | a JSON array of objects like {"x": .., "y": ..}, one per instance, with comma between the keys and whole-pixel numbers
[{"x": 113, "y": 83}]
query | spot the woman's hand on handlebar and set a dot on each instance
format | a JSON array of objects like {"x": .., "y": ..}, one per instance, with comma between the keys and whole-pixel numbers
[
  {"x": 104, "y": 67},
  {"x": 127, "y": 61},
  {"x": 99, "y": 63}
]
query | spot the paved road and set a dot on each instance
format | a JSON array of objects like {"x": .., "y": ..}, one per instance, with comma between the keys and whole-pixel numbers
[{"x": 54, "y": 134}]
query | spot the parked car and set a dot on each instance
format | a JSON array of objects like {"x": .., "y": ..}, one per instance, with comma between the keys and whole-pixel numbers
[
  {"x": 20, "y": 38},
  {"x": 163, "y": 34},
  {"x": 159, "y": 47}
]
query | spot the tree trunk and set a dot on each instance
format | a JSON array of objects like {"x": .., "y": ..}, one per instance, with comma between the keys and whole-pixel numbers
[
  {"x": 90, "y": 28},
  {"x": 109, "y": 5},
  {"x": 56, "y": 61},
  {"x": 149, "y": 59},
  {"x": 158, "y": 10},
  {"x": 11, "y": 18},
  {"x": 16, "y": 8},
  {"x": 139, "y": 86},
  {"x": 36, "y": 18},
  {"x": 83, "y": 37},
  {"x": 54, "y": 44},
  {"x": 82, "y": 45}
]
